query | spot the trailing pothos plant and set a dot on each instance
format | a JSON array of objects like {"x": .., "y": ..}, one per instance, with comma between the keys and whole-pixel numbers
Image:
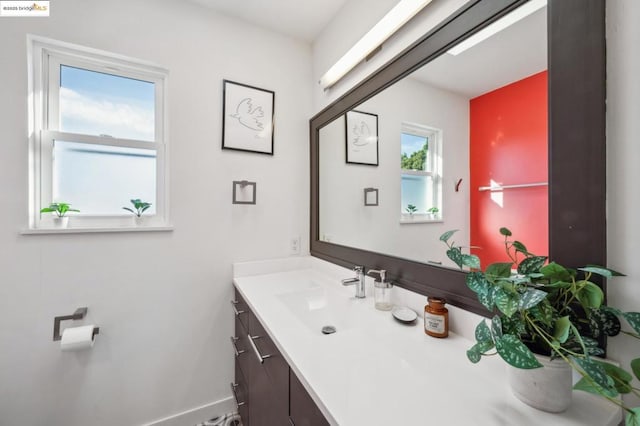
[{"x": 551, "y": 310}]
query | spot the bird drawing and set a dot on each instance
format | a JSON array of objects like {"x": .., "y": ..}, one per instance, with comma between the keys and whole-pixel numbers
[
  {"x": 361, "y": 134},
  {"x": 249, "y": 115}
]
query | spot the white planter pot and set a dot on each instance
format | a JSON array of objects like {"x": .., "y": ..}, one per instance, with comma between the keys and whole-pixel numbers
[
  {"x": 139, "y": 220},
  {"x": 60, "y": 222},
  {"x": 548, "y": 388}
]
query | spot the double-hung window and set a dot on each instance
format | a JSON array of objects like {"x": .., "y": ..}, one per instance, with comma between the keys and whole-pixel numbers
[
  {"x": 420, "y": 173},
  {"x": 98, "y": 135}
]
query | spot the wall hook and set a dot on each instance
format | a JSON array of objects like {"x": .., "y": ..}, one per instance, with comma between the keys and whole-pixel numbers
[{"x": 457, "y": 185}]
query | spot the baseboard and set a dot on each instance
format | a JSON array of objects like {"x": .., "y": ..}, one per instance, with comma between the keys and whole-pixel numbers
[{"x": 197, "y": 415}]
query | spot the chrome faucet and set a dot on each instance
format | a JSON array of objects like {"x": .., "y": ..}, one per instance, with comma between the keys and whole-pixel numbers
[{"x": 358, "y": 281}]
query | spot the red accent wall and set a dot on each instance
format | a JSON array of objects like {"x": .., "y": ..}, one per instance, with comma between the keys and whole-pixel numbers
[{"x": 508, "y": 144}]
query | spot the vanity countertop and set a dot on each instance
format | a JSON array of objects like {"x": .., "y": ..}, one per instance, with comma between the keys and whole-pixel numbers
[{"x": 377, "y": 371}]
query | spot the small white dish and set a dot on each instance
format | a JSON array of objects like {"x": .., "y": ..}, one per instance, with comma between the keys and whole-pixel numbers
[{"x": 404, "y": 314}]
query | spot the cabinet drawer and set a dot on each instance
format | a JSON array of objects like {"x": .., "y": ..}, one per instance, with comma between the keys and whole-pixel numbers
[
  {"x": 241, "y": 347},
  {"x": 240, "y": 393},
  {"x": 274, "y": 364},
  {"x": 240, "y": 309}
]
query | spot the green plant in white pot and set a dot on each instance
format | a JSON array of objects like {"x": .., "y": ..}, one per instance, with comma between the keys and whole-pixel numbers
[
  {"x": 60, "y": 210},
  {"x": 550, "y": 310},
  {"x": 411, "y": 209},
  {"x": 139, "y": 207}
]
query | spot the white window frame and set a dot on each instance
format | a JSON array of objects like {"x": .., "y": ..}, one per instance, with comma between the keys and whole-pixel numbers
[
  {"x": 433, "y": 170},
  {"x": 45, "y": 55}
]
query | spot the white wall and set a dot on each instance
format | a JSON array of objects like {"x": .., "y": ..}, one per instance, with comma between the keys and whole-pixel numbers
[
  {"x": 161, "y": 299},
  {"x": 343, "y": 215},
  {"x": 623, "y": 174}
]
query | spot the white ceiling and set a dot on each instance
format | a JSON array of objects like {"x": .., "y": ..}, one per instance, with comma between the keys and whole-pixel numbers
[
  {"x": 514, "y": 53},
  {"x": 301, "y": 19}
]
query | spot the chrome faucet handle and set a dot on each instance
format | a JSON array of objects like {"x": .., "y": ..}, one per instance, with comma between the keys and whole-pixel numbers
[{"x": 382, "y": 274}]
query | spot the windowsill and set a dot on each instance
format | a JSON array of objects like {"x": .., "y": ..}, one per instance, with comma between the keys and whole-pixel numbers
[
  {"x": 44, "y": 231},
  {"x": 407, "y": 221}
]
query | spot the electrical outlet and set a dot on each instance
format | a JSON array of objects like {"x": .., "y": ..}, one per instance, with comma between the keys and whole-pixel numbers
[{"x": 294, "y": 247}]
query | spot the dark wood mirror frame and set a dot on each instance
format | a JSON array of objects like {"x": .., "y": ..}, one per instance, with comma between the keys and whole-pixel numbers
[{"x": 577, "y": 155}]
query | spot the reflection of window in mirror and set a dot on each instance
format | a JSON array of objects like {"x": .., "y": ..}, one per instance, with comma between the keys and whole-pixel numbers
[{"x": 420, "y": 180}]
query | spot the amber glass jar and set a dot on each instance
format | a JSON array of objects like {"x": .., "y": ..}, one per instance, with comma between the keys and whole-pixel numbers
[{"x": 436, "y": 318}]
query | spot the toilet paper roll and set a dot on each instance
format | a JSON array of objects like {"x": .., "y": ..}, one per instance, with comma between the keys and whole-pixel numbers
[{"x": 77, "y": 338}]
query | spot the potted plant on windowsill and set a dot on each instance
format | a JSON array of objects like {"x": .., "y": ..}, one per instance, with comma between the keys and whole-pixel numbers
[
  {"x": 549, "y": 310},
  {"x": 433, "y": 212},
  {"x": 60, "y": 219},
  {"x": 411, "y": 209},
  {"x": 140, "y": 207}
]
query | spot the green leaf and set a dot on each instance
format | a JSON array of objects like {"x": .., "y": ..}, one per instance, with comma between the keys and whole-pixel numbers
[
  {"x": 633, "y": 418},
  {"x": 507, "y": 303},
  {"x": 455, "y": 254},
  {"x": 505, "y": 232},
  {"x": 475, "y": 353},
  {"x": 128, "y": 209},
  {"x": 635, "y": 367},
  {"x": 483, "y": 334},
  {"x": 477, "y": 282},
  {"x": 531, "y": 298},
  {"x": 633, "y": 318},
  {"x": 531, "y": 264},
  {"x": 499, "y": 270},
  {"x": 589, "y": 295},
  {"x": 597, "y": 373},
  {"x": 496, "y": 327},
  {"x": 445, "y": 237},
  {"x": 621, "y": 378},
  {"x": 603, "y": 321},
  {"x": 47, "y": 210},
  {"x": 521, "y": 248},
  {"x": 561, "y": 329},
  {"x": 515, "y": 353},
  {"x": 471, "y": 260},
  {"x": 555, "y": 272},
  {"x": 601, "y": 270}
]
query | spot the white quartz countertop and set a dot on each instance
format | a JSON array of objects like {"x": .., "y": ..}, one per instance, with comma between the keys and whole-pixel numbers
[{"x": 377, "y": 371}]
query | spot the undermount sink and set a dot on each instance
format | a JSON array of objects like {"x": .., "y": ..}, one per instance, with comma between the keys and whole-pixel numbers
[{"x": 319, "y": 306}]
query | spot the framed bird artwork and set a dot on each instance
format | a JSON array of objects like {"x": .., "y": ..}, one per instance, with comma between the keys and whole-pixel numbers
[
  {"x": 361, "y": 138},
  {"x": 247, "y": 118}
]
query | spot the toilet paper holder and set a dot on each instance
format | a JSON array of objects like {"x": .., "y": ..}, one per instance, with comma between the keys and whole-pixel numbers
[{"x": 78, "y": 314}]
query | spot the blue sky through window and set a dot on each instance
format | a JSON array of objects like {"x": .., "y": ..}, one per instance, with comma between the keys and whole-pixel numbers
[
  {"x": 411, "y": 143},
  {"x": 98, "y": 103}
]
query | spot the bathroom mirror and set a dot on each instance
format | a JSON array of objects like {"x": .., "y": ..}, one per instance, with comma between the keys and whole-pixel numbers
[
  {"x": 576, "y": 134},
  {"x": 426, "y": 127}
]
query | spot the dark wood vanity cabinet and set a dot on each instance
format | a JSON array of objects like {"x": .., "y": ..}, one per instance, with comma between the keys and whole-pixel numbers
[{"x": 266, "y": 392}]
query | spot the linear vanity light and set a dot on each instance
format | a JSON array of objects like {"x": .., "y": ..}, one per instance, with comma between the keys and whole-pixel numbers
[
  {"x": 502, "y": 23},
  {"x": 385, "y": 28}
]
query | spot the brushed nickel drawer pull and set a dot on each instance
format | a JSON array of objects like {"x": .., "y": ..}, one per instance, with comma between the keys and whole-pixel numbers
[
  {"x": 235, "y": 310},
  {"x": 235, "y": 396},
  {"x": 261, "y": 357},
  {"x": 235, "y": 347}
]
